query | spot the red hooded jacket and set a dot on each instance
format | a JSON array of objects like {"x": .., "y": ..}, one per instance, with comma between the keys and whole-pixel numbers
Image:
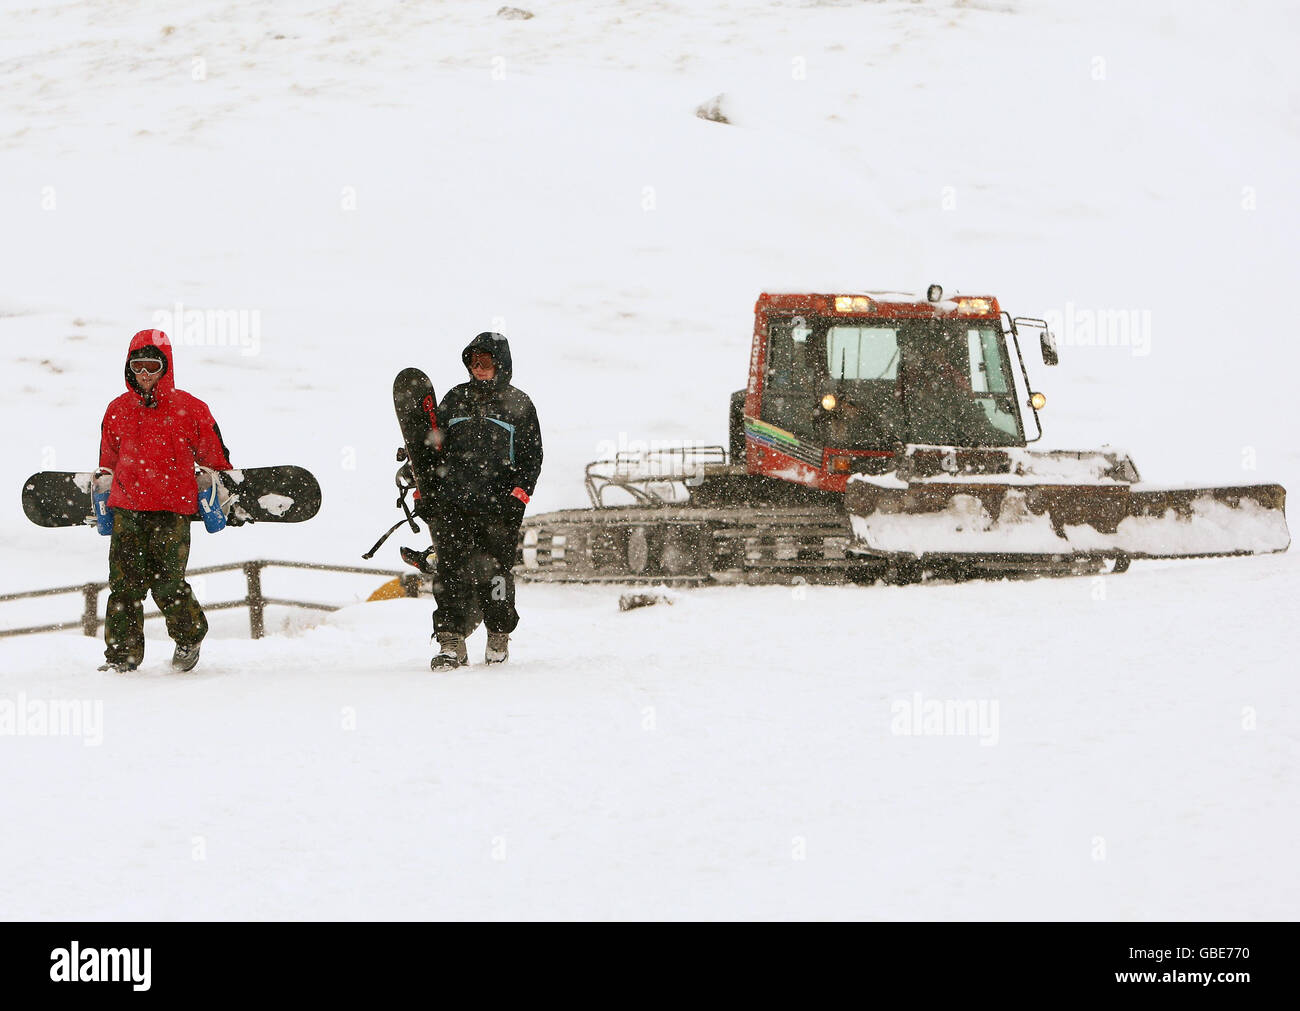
[{"x": 151, "y": 444}]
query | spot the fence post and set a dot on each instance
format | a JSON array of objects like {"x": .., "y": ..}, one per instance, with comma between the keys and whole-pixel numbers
[
  {"x": 256, "y": 606},
  {"x": 90, "y": 616}
]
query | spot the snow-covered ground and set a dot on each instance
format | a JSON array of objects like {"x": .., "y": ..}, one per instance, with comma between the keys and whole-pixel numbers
[{"x": 374, "y": 183}]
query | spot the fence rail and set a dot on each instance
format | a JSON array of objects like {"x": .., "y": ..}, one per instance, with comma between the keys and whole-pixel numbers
[{"x": 90, "y": 621}]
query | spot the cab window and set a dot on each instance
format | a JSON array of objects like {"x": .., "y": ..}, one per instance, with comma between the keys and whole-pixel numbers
[{"x": 791, "y": 381}]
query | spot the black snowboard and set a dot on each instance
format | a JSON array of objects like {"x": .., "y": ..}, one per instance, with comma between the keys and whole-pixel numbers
[
  {"x": 270, "y": 494},
  {"x": 252, "y": 494},
  {"x": 416, "y": 406},
  {"x": 417, "y": 415}
]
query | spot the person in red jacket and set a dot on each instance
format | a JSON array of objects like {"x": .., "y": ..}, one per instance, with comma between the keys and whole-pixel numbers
[{"x": 152, "y": 437}]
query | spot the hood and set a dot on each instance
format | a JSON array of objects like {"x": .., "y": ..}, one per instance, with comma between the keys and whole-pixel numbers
[
  {"x": 498, "y": 347},
  {"x": 158, "y": 340}
]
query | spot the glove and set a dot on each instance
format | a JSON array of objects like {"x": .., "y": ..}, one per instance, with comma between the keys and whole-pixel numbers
[{"x": 516, "y": 503}]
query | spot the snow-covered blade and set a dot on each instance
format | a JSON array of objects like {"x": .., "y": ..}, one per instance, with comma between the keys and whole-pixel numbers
[
  {"x": 989, "y": 504},
  {"x": 1013, "y": 465}
]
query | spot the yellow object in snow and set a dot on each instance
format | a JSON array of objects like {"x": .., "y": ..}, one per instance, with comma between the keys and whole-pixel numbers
[{"x": 391, "y": 590}]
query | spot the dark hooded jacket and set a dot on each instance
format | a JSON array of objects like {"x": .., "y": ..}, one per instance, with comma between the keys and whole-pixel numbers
[
  {"x": 151, "y": 443},
  {"x": 492, "y": 443}
]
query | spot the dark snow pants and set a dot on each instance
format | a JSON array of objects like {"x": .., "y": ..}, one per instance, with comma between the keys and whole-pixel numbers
[
  {"x": 149, "y": 552},
  {"x": 475, "y": 552}
]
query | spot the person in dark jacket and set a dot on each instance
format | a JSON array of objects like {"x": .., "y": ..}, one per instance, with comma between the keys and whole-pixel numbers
[
  {"x": 151, "y": 438},
  {"x": 491, "y": 456}
]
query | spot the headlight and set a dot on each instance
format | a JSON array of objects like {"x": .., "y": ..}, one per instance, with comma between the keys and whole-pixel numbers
[
  {"x": 829, "y": 402},
  {"x": 974, "y": 306}
]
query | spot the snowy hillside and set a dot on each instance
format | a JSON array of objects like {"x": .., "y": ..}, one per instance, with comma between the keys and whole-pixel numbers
[{"x": 369, "y": 185}]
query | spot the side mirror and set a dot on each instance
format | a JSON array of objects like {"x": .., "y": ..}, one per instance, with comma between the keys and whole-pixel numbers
[{"x": 1047, "y": 343}]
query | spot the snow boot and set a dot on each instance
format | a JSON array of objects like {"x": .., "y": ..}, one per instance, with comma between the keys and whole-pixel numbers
[
  {"x": 451, "y": 653},
  {"x": 185, "y": 658},
  {"x": 118, "y": 666},
  {"x": 498, "y": 647}
]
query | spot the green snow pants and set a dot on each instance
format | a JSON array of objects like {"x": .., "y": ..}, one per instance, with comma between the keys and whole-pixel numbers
[{"x": 149, "y": 552}]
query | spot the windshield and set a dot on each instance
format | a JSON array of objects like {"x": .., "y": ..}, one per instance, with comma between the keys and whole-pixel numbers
[{"x": 933, "y": 382}]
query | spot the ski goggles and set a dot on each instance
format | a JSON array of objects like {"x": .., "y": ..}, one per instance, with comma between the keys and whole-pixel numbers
[{"x": 152, "y": 366}]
